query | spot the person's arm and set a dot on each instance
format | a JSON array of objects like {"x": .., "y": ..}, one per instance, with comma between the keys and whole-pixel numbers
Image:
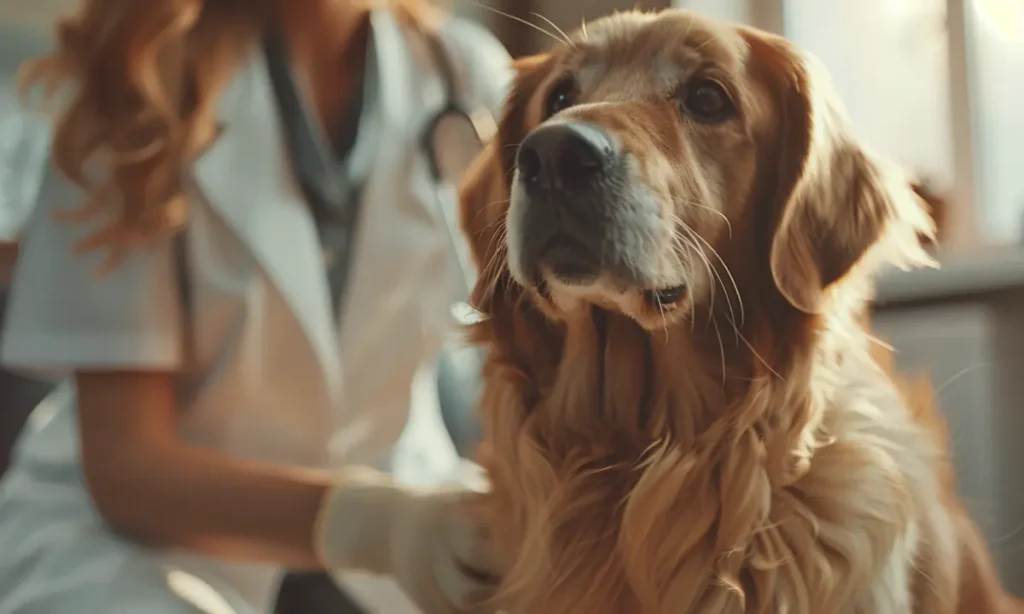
[
  {"x": 163, "y": 492},
  {"x": 121, "y": 335},
  {"x": 158, "y": 490}
]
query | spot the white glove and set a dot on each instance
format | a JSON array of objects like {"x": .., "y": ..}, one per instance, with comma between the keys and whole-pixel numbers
[{"x": 424, "y": 538}]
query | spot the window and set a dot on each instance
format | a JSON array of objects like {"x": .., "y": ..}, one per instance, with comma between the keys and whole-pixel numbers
[
  {"x": 937, "y": 85},
  {"x": 888, "y": 60},
  {"x": 996, "y": 40}
]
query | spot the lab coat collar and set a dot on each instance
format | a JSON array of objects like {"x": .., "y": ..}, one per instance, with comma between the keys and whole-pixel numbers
[{"x": 246, "y": 177}]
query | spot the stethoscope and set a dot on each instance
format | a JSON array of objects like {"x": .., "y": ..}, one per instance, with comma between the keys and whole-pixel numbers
[{"x": 452, "y": 138}]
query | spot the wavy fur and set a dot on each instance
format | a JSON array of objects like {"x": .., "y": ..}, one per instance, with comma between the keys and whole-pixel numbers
[{"x": 720, "y": 463}]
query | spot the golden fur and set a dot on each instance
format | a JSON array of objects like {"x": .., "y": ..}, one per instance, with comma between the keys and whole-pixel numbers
[
  {"x": 136, "y": 85},
  {"x": 746, "y": 452}
]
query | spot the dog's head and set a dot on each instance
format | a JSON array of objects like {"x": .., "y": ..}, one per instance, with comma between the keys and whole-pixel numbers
[{"x": 662, "y": 160}]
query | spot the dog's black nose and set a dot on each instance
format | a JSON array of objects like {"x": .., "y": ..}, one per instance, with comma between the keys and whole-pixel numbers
[{"x": 567, "y": 156}]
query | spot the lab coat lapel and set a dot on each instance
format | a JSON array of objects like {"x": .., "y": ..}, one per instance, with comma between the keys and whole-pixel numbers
[
  {"x": 246, "y": 177},
  {"x": 399, "y": 195}
]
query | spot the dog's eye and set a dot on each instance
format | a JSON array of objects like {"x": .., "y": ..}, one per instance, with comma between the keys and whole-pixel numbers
[
  {"x": 706, "y": 101},
  {"x": 561, "y": 97}
]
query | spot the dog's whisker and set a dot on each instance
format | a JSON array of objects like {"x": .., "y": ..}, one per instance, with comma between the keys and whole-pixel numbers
[
  {"x": 728, "y": 272},
  {"x": 959, "y": 374},
  {"x": 565, "y": 37},
  {"x": 682, "y": 246},
  {"x": 497, "y": 259},
  {"x": 700, "y": 205},
  {"x": 676, "y": 251},
  {"x": 714, "y": 252},
  {"x": 757, "y": 355},
  {"x": 685, "y": 245},
  {"x": 879, "y": 342},
  {"x": 494, "y": 223},
  {"x": 703, "y": 45},
  {"x": 721, "y": 347},
  {"x": 713, "y": 269},
  {"x": 484, "y": 209},
  {"x": 664, "y": 319},
  {"x": 503, "y": 201},
  {"x": 525, "y": 22},
  {"x": 497, "y": 239},
  {"x": 688, "y": 242}
]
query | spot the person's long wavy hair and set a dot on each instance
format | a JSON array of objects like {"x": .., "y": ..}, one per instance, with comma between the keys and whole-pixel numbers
[{"x": 133, "y": 86}]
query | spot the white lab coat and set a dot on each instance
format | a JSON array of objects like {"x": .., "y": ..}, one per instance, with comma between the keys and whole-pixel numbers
[{"x": 269, "y": 377}]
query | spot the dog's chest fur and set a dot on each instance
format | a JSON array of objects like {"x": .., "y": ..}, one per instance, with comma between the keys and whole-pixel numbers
[{"x": 713, "y": 529}]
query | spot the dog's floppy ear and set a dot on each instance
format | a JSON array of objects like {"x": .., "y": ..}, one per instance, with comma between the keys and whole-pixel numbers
[
  {"x": 835, "y": 200},
  {"x": 484, "y": 191}
]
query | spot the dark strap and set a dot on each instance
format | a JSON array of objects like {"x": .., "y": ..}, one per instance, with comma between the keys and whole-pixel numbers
[
  {"x": 311, "y": 156},
  {"x": 454, "y": 109},
  {"x": 332, "y": 195},
  {"x": 333, "y": 201},
  {"x": 452, "y": 103}
]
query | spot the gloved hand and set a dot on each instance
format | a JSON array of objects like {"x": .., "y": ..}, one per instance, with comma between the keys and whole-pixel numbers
[{"x": 424, "y": 538}]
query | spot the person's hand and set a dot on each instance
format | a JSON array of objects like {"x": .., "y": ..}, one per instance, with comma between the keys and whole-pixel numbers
[{"x": 424, "y": 538}]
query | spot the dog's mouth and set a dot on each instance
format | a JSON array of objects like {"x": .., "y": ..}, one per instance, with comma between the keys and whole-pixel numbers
[
  {"x": 662, "y": 299},
  {"x": 666, "y": 298},
  {"x": 571, "y": 260},
  {"x": 569, "y": 273}
]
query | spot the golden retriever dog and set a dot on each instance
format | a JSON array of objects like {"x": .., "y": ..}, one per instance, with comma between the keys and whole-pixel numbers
[{"x": 676, "y": 231}]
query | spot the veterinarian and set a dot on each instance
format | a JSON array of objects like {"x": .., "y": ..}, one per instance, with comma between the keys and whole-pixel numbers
[{"x": 246, "y": 310}]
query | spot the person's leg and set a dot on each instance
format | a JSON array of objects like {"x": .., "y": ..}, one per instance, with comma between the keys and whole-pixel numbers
[
  {"x": 155, "y": 589},
  {"x": 137, "y": 586},
  {"x": 55, "y": 560}
]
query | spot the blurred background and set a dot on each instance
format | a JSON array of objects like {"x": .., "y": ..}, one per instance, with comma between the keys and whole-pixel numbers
[{"x": 937, "y": 85}]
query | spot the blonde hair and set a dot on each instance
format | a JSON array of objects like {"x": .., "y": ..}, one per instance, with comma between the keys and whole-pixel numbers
[{"x": 134, "y": 85}]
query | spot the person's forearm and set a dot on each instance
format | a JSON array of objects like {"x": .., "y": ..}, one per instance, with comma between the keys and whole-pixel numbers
[{"x": 198, "y": 499}]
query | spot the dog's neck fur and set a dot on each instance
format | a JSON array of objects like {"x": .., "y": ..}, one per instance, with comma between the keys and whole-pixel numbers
[{"x": 661, "y": 482}]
